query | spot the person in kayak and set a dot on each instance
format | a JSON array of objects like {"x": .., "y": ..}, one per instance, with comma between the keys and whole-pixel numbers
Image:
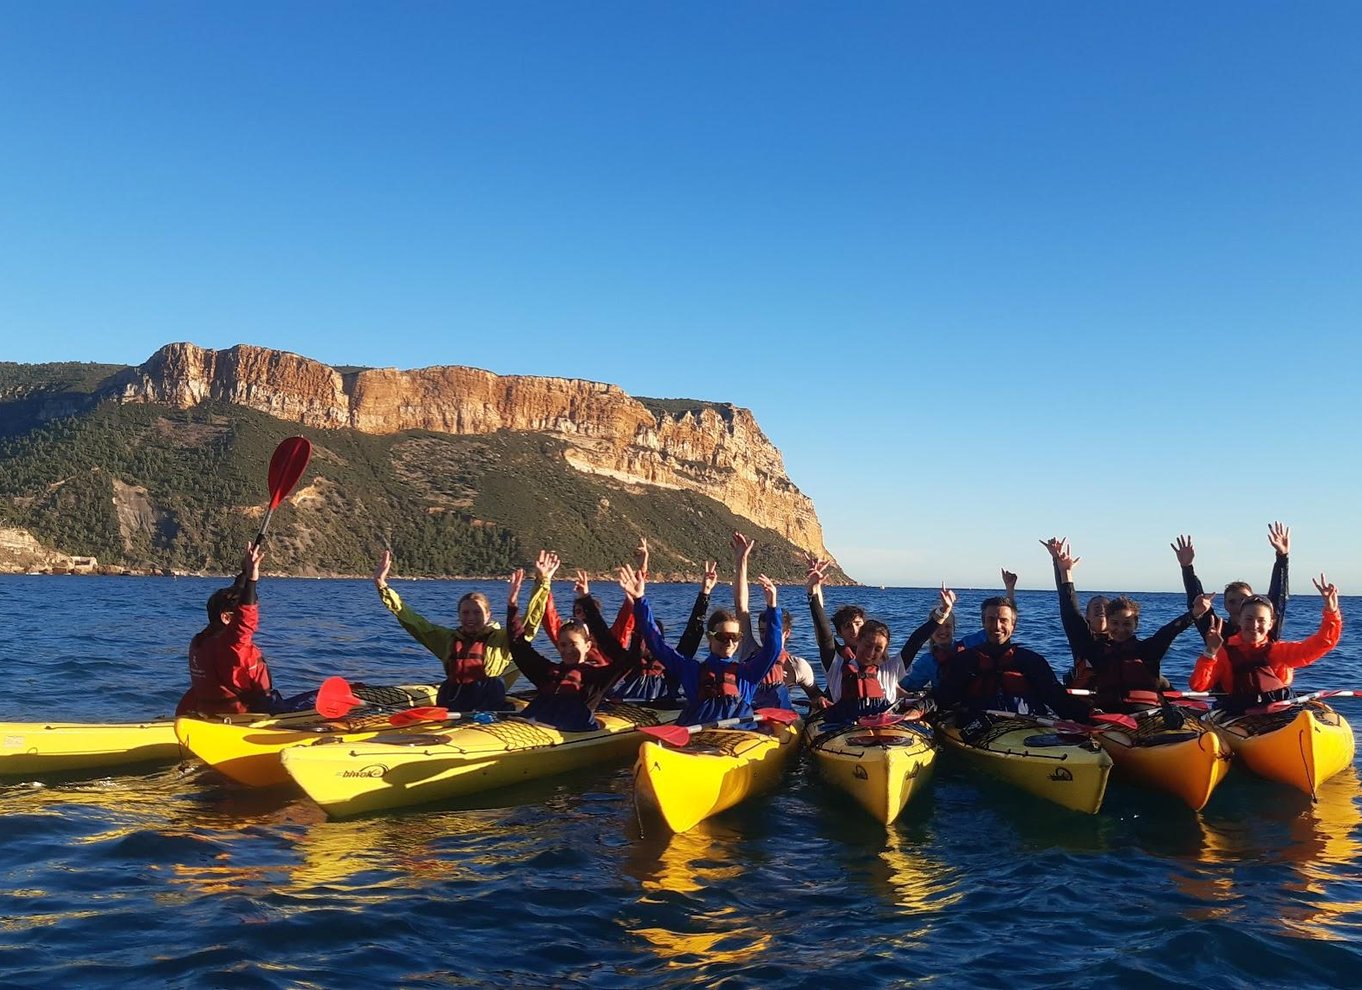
[
  {"x": 476, "y": 655},
  {"x": 592, "y": 660},
  {"x": 938, "y": 635},
  {"x": 1002, "y": 675},
  {"x": 866, "y": 683},
  {"x": 1237, "y": 592},
  {"x": 228, "y": 674},
  {"x": 787, "y": 672},
  {"x": 1249, "y": 666},
  {"x": 1115, "y": 661},
  {"x": 847, "y": 620},
  {"x": 547, "y": 612},
  {"x": 721, "y": 686}
]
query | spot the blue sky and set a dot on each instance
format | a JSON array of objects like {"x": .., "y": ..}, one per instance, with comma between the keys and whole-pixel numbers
[{"x": 985, "y": 272}]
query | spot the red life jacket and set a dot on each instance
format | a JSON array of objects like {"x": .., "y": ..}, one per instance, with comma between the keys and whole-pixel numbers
[
  {"x": 776, "y": 675},
  {"x": 466, "y": 663},
  {"x": 861, "y": 682},
  {"x": 997, "y": 677},
  {"x": 944, "y": 655},
  {"x": 1251, "y": 669},
  {"x": 565, "y": 679},
  {"x": 716, "y": 685}
]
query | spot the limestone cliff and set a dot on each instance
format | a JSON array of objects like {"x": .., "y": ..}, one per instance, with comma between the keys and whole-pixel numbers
[{"x": 716, "y": 450}]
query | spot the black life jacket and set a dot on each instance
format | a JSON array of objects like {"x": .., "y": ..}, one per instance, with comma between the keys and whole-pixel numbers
[{"x": 1116, "y": 675}]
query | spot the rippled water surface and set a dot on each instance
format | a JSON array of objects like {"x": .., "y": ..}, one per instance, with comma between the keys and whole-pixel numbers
[{"x": 174, "y": 877}]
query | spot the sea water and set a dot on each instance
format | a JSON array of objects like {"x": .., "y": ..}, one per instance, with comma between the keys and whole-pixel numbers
[{"x": 175, "y": 877}]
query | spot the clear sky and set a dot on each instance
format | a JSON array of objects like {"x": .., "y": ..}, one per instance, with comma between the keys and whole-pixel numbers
[{"x": 985, "y": 272}]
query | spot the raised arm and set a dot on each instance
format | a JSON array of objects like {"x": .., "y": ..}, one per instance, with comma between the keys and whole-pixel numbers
[
  {"x": 1010, "y": 586},
  {"x": 1075, "y": 625},
  {"x": 1307, "y": 651},
  {"x": 1279, "y": 587},
  {"x": 742, "y": 550},
  {"x": 920, "y": 635},
  {"x": 606, "y": 642},
  {"x": 1153, "y": 649},
  {"x": 757, "y": 666},
  {"x": 635, "y": 585},
  {"x": 822, "y": 628},
  {"x": 436, "y": 639},
  {"x": 1186, "y": 553},
  {"x": 694, "y": 633}
]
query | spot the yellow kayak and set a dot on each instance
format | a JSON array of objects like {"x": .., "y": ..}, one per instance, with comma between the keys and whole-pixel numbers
[
  {"x": 881, "y": 766},
  {"x": 1188, "y": 761},
  {"x": 1302, "y": 746},
  {"x": 396, "y": 769},
  {"x": 682, "y": 786},
  {"x": 1069, "y": 770},
  {"x": 28, "y": 748},
  {"x": 246, "y": 748}
]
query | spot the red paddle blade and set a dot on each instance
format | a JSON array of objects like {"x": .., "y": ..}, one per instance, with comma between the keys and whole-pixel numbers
[
  {"x": 1124, "y": 721},
  {"x": 413, "y": 715},
  {"x": 335, "y": 699},
  {"x": 1193, "y": 704},
  {"x": 675, "y": 735},
  {"x": 781, "y": 715},
  {"x": 1143, "y": 697},
  {"x": 287, "y": 466},
  {"x": 878, "y": 721}
]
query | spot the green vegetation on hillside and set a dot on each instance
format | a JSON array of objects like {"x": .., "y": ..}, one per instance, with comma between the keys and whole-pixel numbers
[{"x": 147, "y": 486}]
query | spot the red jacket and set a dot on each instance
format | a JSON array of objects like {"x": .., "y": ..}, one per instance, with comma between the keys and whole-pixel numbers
[
  {"x": 1217, "y": 673},
  {"x": 227, "y": 672}
]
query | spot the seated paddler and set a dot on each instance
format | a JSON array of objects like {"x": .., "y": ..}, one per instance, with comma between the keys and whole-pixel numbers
[
  {"x": 476, "y": 654},
  {"x": 720, "y": 686}
]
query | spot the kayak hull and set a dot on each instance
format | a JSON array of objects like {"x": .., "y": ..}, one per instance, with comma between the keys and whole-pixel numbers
[
  {"x": 35, "y": 748},
  {"x": 680, "y": 787},
  {"x": 1301, "y": 747},
  {"x": 1188, "y": 762},
  {"x": 1071, "y": 772},
  {"x": 881, "y": 767},
  {"x": 399, "y": 769},
  {"x": 246, "y": 748}
]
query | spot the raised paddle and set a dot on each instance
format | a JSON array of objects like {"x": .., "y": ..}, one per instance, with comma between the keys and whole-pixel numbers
[
  {"x": 286, "y": 467},
  {"x": 679, "y": 735}
]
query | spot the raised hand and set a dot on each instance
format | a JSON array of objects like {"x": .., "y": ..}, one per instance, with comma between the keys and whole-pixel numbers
[
  {"x": 1065, "y": 558},
  {"x": 1202, "y": 605},
  {"x": 769, "y": 587},
  {"x": 633, "y": 582},
  {"x": 641, "y": 555},
  {"x": 1009, "y": 580},
  {"x": 818, "y": 570},
  {"x": 581, "y": 587},
  {"x": 1214, "y": 639},
  {"x": 1054, "y": 544},
  {"x": 546, "y": 565},
  {"x": 947, "y": 602},
  {"x": 742, "y": 546},
  {"x": 711, "y": 577},
  {"x": 1328, "y": 592},
  {"x": 1279, "y": 537},
  {"x": 1183, "y": 548},
  {"x": 385, "y": 564},
  {"x": 516, "y": 580}
]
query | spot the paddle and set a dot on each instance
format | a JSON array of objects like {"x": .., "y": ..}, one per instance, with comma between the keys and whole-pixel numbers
[
  {"x": 1107, "y": 720},
  {"x": 1182, "y": 699},
  {"x": 679, "y": 735},
  {"x": 286, "y": 467},
  {"x": 335, "y": 699},
  {"x": 1285, "y": 703}
]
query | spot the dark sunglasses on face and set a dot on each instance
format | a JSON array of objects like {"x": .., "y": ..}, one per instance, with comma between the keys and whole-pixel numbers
[{"x": 725, "y": 637}]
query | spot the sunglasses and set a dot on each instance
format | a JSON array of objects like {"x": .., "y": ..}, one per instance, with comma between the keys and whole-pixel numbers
[{"x": 726, "y": 637}]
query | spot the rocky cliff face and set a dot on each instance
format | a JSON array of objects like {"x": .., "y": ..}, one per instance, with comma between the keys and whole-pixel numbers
[{"x": 716, "y": 450}]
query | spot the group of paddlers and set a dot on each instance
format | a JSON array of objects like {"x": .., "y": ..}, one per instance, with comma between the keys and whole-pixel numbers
[{"x": 746, "y": 666}]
